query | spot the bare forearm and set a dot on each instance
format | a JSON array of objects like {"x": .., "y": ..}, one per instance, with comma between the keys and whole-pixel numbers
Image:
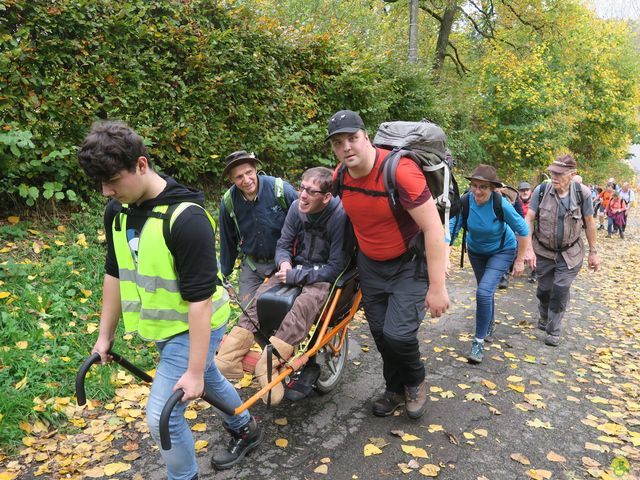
[
  {"x": 523, "y": 243},
  {"x": 436, "y": 253},
  {"x": 111, "y": 308}
]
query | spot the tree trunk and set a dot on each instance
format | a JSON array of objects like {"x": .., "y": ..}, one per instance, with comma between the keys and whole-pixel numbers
[
  {"x": 413, "y": 32},
  {"x": 448, "y": 17}
]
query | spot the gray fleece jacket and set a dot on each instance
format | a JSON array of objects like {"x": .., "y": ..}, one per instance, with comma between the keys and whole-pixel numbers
[{"x": 315, "y": 249}]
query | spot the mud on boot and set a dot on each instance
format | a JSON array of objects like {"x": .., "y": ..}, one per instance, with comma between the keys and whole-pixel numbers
[
  {"x": 387, "y": 403},
  {"x": 242, "y": 442}
]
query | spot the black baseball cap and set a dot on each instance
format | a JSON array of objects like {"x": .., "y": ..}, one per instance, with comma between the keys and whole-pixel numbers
[{"x": 344, "y": 121}]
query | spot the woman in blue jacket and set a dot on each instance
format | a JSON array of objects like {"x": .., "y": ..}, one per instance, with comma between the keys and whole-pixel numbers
[{"x": 492, "y": 247}]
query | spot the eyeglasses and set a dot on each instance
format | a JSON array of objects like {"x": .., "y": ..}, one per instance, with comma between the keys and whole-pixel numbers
[
  {"x": 476, "y": 186},
  {"x": 310, "y": 191}
]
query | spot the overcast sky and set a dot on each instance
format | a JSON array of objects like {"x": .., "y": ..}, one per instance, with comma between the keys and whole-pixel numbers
[{"x": 628, "y": 9}]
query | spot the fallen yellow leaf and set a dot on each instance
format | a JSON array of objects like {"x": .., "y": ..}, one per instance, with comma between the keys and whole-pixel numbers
[
  {"x": 282, "y": 442},
  {"x": 200, "y": 445},
  {"x": 4, "y": 295},
  {"x": 114, "y": 468},
  {"x": 13, "y": 220},
  {"x": 489, "y": 384},
  {"x": 539, "y": 474},
  {"x": 322, "y": 469},
  {"x": 22, "y": 344},
  {"x": 280, "y": 421},
  {"x": 199, "y": 427},
  {"x": 520, "y": 458},
  {"x": 371, "y": 449},
  {"x": 554, "y": 457},
  {"x": 430, "y": 470}
]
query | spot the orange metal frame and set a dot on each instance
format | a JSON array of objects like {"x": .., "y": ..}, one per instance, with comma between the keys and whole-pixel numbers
[{"x": 323, "y": 339}]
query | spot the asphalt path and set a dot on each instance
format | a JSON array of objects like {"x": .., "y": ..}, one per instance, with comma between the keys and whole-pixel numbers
[{"x": 333, "y": 429}]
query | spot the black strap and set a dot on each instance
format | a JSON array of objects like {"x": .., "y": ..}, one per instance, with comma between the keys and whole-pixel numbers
[{"x": 166, "y": 225}]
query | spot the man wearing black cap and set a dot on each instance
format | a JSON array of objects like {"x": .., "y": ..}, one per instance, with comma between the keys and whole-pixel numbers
[
  {"x": 252, "y": 213},
  {"x": 393, "y": 274},
  {"x": 555, "y": 221}
]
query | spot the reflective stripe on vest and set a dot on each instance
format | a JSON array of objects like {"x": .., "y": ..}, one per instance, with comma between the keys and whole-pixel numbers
[{"x": 149, "y": 292}]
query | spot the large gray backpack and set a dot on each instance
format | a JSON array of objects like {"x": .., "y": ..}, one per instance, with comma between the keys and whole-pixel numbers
[{"x": 425, "y": 143}]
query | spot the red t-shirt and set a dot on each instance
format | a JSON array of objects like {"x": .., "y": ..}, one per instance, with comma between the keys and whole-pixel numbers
[{"x": 383, "y": 233}]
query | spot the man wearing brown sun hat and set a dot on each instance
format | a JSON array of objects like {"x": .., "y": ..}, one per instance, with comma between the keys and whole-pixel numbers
[{"x": 557, "y": 213}]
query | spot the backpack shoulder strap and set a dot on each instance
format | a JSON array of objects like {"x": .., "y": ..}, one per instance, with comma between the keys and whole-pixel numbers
[
  {"x": 227, "y": 200},
  {"x": 338, "y": 180},
  {"x": 497, "y": 206},
  {"x": 499, "y": 213},
  {"x": 278, "y": 191},
  {"x": 166, "y": 224},
  {"x": 464, "y": 209}
]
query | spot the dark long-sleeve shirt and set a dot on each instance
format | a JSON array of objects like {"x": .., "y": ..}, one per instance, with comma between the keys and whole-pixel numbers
[
  {"x": 315, "y": 248},
  {"x": 259, "y": 220}
]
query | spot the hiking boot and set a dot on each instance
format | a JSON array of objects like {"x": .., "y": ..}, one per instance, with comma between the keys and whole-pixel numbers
[
  {"x": 542, "y": 324},
  {"x": 532, "y": 278},
  {"x": 387, "y": 403},
  {"x": 416, "y": 400},
  {"x": 477, "y": 352},
  {"x": 504, "y": 282},
  {"x": 242, "y": 442},
  {"x": 622, "y": 235},
  {"x": 552, "y": 340},
  {"x": 608, "y": 235}
]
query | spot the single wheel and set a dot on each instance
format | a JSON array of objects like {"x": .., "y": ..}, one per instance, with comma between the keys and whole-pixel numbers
[{"x": 331, "y": 364}]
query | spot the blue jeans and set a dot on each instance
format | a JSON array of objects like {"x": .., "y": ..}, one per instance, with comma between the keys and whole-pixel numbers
[
  {"x": 488, "y": 270},
  {"x": 174, "y": 359}
]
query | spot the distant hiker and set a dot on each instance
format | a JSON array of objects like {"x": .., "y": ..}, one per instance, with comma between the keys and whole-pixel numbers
[
  {"x": 616, "y": 215},
  {"x": 252, "y": 214},
  {"x": 628, "y": 195},
  {"x": 393, "y": 275},
  {"x": 524, "y": 192},
  {"x": 556, "y": 216},
  {"x": 310, "y": 253},
  {"x": 162, "y": 279},
  {"x": 489, "y": 221}
]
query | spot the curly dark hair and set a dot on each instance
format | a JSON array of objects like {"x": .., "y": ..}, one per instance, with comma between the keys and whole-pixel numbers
[{"x": 110, "y": 147}]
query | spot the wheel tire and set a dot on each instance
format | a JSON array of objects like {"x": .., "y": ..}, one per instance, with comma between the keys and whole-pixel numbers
[{"x": 332, "y": 367}]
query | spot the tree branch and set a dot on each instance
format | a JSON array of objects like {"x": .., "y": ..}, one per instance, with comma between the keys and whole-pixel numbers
[{"x": 457, "y": 59}]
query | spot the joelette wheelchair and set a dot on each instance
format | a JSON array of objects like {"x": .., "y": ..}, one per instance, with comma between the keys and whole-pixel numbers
[{"x": 327, "y": 341}]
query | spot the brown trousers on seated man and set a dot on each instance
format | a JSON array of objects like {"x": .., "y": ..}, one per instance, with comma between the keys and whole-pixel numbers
[{"x": 292, "y": 330}]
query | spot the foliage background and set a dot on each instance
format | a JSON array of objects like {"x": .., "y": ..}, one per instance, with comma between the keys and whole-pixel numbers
[{"x": 199, "y": 79}]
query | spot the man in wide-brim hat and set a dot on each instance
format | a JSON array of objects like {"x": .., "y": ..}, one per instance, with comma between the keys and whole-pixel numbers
[
  {"x": 252, "y": 214},
  {"x": 557, "y": 213}
]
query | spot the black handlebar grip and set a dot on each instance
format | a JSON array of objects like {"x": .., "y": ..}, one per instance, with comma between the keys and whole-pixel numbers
[
  {"x": 165, "y": 437},
  {"x": 84, "y": 368},
  {"x": 220, "y": 405}
]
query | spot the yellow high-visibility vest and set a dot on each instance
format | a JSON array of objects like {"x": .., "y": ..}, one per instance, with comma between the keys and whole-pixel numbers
[{"x": 149, "y": 292}]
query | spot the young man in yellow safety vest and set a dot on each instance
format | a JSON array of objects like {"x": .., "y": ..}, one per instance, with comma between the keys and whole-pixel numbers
[{"x": 162, "y": 279}]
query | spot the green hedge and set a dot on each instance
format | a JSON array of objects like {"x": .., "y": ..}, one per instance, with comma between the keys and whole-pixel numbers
[{"x": 196, "y": 81}]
